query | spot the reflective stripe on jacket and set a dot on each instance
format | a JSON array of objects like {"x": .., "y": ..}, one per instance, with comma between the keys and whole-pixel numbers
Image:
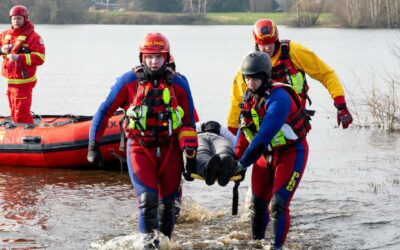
[{"x": 31, "y": 53}]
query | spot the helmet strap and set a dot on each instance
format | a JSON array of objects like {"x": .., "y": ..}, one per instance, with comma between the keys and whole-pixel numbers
[{"x": 256, "y": 47}]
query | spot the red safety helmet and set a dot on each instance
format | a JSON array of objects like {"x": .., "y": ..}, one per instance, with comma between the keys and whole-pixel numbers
[
  {"x": 154, "y": 43},
  {"x": 19, "y": 10},
  {"x": 265, "y": 32}
]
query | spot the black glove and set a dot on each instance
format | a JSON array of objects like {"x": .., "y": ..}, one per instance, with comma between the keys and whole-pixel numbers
[
  {"x": 190, "y": 168},
  {"x": 240, "y": 170},
  {"x": 211, "y": 127},
  {"x": 94, "y": 155}
]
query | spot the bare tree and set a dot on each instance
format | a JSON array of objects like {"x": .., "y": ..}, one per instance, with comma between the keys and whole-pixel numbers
[
  {"x": 308, "y": 11},
  {"x": 190, "y": 6},
  {"x": 370, "y": 13}
]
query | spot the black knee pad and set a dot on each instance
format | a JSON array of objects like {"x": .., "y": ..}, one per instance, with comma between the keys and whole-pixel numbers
[
  {"x": 278, "y": 206},
  {"x": 258, "y": 206},
  {"x": 148, "y": 204}
]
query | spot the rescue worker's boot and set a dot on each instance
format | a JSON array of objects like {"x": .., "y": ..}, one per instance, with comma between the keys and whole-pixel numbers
[
  {"x": 228, "y": 168},
  {"x": 151, "y": 241},
  {"x": 148, "y": 219},
  {"x": 211, "y": 169},
  {"x": 259, "y": 217},
  {"x": 166, "y": 211},
  {"x": 278, "y": 216}
]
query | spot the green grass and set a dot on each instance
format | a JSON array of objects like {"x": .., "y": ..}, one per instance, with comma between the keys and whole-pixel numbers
[
  {"x": 246, "y": 17},
  {"x": 249, "y": 18}
]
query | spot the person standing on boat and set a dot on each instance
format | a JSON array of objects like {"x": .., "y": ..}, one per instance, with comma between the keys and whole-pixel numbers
[
  {"x": 160, "y": 126},
  {"x": 290, "y": 64},
  {"x": 22, "y": 50},
  {"x": 272, "y": 137}
]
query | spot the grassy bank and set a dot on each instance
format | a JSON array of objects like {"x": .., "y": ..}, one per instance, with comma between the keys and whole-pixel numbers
[
  {"x": 235, "y": 18},
  {"x": 280, "y": 18},
  {"x": 128, "y": 17},
  {"x": 247, "y": 18}
]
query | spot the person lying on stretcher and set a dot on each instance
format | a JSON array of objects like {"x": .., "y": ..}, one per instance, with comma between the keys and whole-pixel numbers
[{"x": 215, "y": 159}]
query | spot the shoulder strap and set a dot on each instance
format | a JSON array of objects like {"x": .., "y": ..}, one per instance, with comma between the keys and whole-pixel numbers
[
  {"x": 285, "y": 48},
  {"x": 170, "y": 75},
  {"x": 139, "y": 71}
]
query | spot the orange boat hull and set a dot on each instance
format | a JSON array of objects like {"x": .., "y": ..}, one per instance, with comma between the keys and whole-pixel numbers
[{"x": 55, "y": 142}]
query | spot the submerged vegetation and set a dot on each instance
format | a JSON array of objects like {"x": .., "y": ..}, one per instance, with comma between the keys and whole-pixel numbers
[{"x": 379, "y": 107}]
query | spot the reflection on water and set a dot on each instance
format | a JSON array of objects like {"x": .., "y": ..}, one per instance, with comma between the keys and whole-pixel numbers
[
  {"x": 348, "y": 197},
  {"x": 51, "y": 208}
]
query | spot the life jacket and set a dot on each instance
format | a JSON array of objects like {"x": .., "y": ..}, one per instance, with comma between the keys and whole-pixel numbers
[
  {"x": 154, "y": 114},
  {"x": 21, "y": 40},
  {"x": 285, "y": 72},
  {"x": 253, "y": 112},
  {"x": 21, "y": 35}
]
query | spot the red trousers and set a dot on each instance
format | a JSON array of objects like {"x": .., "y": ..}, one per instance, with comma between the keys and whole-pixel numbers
[
  {"x": 150, "y": 173},
  {"x": 276, "y": 184},
  {"x": 20, "y": 101}
]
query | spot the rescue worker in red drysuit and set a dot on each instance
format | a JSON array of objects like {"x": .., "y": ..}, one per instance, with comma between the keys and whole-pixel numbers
[
  {"x": 160, "y": 126},
  {"x": 273, "y": 127},
  {"x": 290, "y": 63},
  {"x": 22, "y": 50}
]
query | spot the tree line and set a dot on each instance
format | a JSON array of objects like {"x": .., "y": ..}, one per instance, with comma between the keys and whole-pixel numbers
[
  {"x": 49, "y": 11},
  {"x": 349, "y": 13},
  {"x": 369, "y": 13}
]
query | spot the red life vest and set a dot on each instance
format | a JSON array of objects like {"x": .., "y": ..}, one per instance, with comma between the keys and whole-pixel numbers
[
  {"x": 28, "y": 44},
  {"x": 155, "y": 112},
  {"x": 285, "y": 72},
  {"x": 298, "y": 120}
]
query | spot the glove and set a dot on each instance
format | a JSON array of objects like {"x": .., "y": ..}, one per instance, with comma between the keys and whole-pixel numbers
[
  {"x": 13, "y": 57},
  {"x": 190, "y": 167},
  {"x": 188, "y": 142},
  {"x": 343, "y": 114},
  {"x": 94, "y": 155},
  {"x": 240, "y": 170},
  {"x": 5, "y": 49},
  {"x": 211, "y": 127}
]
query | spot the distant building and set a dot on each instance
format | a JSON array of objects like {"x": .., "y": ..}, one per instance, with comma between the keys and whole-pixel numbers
[{"x": 106, "y": 5}]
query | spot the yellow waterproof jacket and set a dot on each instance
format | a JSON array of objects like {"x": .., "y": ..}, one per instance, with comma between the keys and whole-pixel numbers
[{"x": 304, "y": 60}]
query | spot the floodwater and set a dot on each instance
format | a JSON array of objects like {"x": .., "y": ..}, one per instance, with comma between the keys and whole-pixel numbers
[{"x": 349, "y": 195}]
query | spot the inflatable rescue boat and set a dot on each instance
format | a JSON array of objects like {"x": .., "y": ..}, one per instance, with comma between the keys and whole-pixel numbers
[{"x": 56, "y": 141}]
